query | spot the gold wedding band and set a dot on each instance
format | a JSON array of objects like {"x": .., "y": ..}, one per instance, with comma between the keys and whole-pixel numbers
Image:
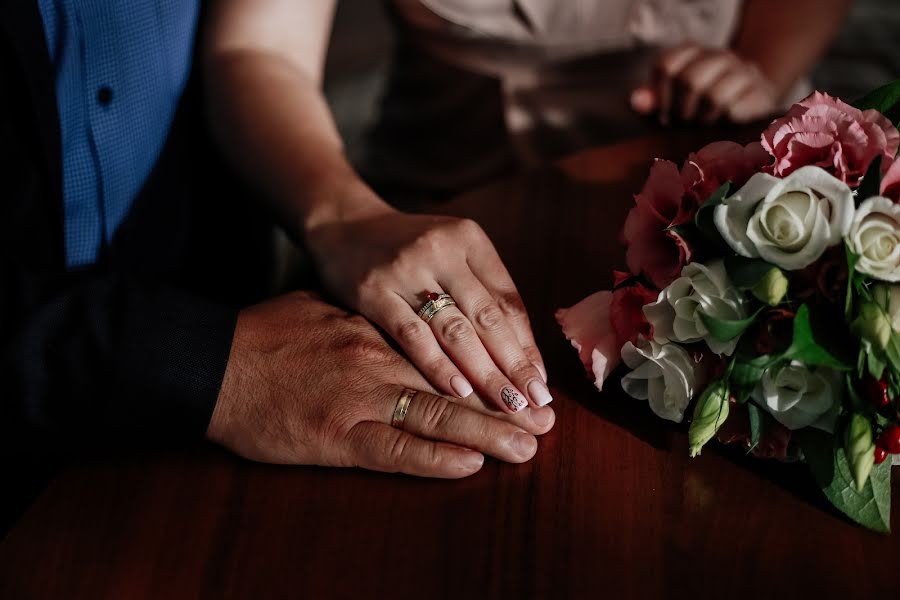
[
  {"x": 436, "y": 303},
  {"x": 402, "y": 408}
]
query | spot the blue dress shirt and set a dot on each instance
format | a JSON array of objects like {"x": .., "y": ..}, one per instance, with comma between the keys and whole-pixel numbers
[{"x": 121, "y": 67}]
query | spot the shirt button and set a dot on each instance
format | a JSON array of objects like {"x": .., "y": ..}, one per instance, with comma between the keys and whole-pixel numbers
[{"x": 104, "y": 95}]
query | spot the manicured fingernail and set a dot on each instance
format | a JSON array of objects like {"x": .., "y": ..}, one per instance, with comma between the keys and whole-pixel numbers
[
  {"x": 471, "y": 461},
  {"x": 512, "y": 399},
  {"x": 543, "y": 371},
  {"x": 523, "y": 444},
  {"x": 541, "y": 416},
  {"x": 539, "y": 393},
  {"x": 461, "y": 387}
]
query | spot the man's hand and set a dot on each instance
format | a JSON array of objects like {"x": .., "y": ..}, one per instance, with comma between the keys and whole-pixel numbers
[
  {"x": 307, "y": 383},
  {"x": 692, "y": 82}
]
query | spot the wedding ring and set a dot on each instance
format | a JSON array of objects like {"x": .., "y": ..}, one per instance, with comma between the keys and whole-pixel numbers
[
  {"x": 436, "y": 303},
  {"x": 402, "y": 408}
]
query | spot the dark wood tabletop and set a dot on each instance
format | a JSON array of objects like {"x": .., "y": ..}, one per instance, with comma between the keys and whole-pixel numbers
[{"x": 611, "y": 506}]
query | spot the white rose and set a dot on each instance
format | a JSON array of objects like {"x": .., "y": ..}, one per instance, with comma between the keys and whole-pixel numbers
[
  {"x": 888, "y": 298},
  {"x": 875, "y": 237},
  {"x": 662, "y": 374},
  {"x": 788, "y": 222},
  {"x": 675, "y": 316},
  {"x": 798, "y": 396}
]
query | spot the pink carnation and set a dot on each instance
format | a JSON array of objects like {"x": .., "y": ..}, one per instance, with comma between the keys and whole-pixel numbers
[
  {"x": 828, "y": 133},
  {"x": 671, "y": 197},
  {"x": 599, "y": 326},
  {"x": 890, "y": 182}
]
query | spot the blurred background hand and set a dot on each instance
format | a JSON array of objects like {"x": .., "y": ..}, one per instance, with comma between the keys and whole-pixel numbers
[{"x": 695, "y": 83}]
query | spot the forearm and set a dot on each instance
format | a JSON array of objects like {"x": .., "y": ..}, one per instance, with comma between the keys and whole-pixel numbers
[
  {"x": 270, "y": 118},
  {"x": 785, "y": 38}
]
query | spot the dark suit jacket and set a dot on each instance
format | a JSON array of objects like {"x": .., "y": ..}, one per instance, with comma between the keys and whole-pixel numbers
[{"x": 135, "y": 346}]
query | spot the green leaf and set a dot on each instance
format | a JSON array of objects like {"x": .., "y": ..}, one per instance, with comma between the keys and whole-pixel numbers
[
  {"x": 748, "y": 373},
  {"x": 893, "y": 384},
  {"x": 871, "y": 183},
  {"x": 743, "y": 378},
  {"x": 805, "y": 348},
  {"x": 892, "y": 352},
  {"x": 745, "y": 272},
  {"x": 756, "y": 424},
  {"x": 871, "y": 506},
  {"x": 726, "y": 330},
  {"x": 856, "y": 402},
  {"x": 704, "y": 217},
  {"x": 874, "y": 363},
  {"x": 884, "y": 99}
]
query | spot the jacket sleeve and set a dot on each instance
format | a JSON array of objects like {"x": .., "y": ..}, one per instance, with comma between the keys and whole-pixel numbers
[{"x": 108, "y": 356}]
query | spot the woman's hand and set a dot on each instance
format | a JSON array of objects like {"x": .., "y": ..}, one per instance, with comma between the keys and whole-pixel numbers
[
  {"x": 385, "y": 264},
  {"x": 692, "y": 82},
  {"x": 307, "y": 383}
]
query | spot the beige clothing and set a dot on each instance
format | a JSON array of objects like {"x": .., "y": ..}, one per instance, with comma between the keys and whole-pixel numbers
[
  {"x": 500, "y": 36},
  {"x": 561, "y": 71}
]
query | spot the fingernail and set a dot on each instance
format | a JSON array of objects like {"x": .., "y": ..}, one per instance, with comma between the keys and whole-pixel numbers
[
  {"x": 541, "y": 416},
  {"x": 512, "y": 399},
  {"x": 539, "y": 393},
  {"x": 471, "y": 461},
  {"x": 642, "y": 100},
  {"x": 523, "y": 444},
  {"x": 543, "y": 371},
  {"x": 461, "y": 387}
]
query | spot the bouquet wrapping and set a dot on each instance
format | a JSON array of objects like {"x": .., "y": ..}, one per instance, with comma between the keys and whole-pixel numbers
[{"x": 761, "y": 300}]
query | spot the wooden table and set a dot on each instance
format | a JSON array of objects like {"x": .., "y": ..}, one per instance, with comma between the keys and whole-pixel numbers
[{"x": 611, "y": 506}]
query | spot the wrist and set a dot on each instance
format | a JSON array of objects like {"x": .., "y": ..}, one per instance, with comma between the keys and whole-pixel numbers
[{"x": 338, "y": 202}]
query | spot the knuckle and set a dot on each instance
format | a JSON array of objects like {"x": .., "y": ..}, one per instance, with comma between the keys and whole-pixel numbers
[
  {"x": 339, "y": 424},
  {"x": 456, "y": 329},
  {"x": 511, "y": 304},
  {"x": 397, "y": 452},
  {"x": 470, "y": 229},
  {"x": 436, "y": 413},
  {"x": 531, "y": 351},
  {"x": 489, "y": 317},
  {"x": 668, "y": 64},
  {"x": 370, "y": 285},
  {"x": 357, "y": 323},
  {"x": 411, "y": 333},
  {"x": 367, "y": 350},
  {"x": 429, "y": 242},
  {"x": 523, "y": 369}
]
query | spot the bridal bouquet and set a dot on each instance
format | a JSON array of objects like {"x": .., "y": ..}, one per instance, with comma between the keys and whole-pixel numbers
[{"x": 762, "y": 297}]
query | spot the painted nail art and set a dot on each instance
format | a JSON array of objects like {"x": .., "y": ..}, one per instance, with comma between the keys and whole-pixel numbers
[{"x": 513, "y": 399}]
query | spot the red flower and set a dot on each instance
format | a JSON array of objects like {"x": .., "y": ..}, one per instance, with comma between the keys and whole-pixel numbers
[
  {"x": 823, "y": 280},
  {"x": 671, "y": 198},
  {"x": 773, "y": 330},
  {"x": 890, "y": 182},
  {"x": 626, "y": 312},
  {"x": 736, "y": 430}
]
